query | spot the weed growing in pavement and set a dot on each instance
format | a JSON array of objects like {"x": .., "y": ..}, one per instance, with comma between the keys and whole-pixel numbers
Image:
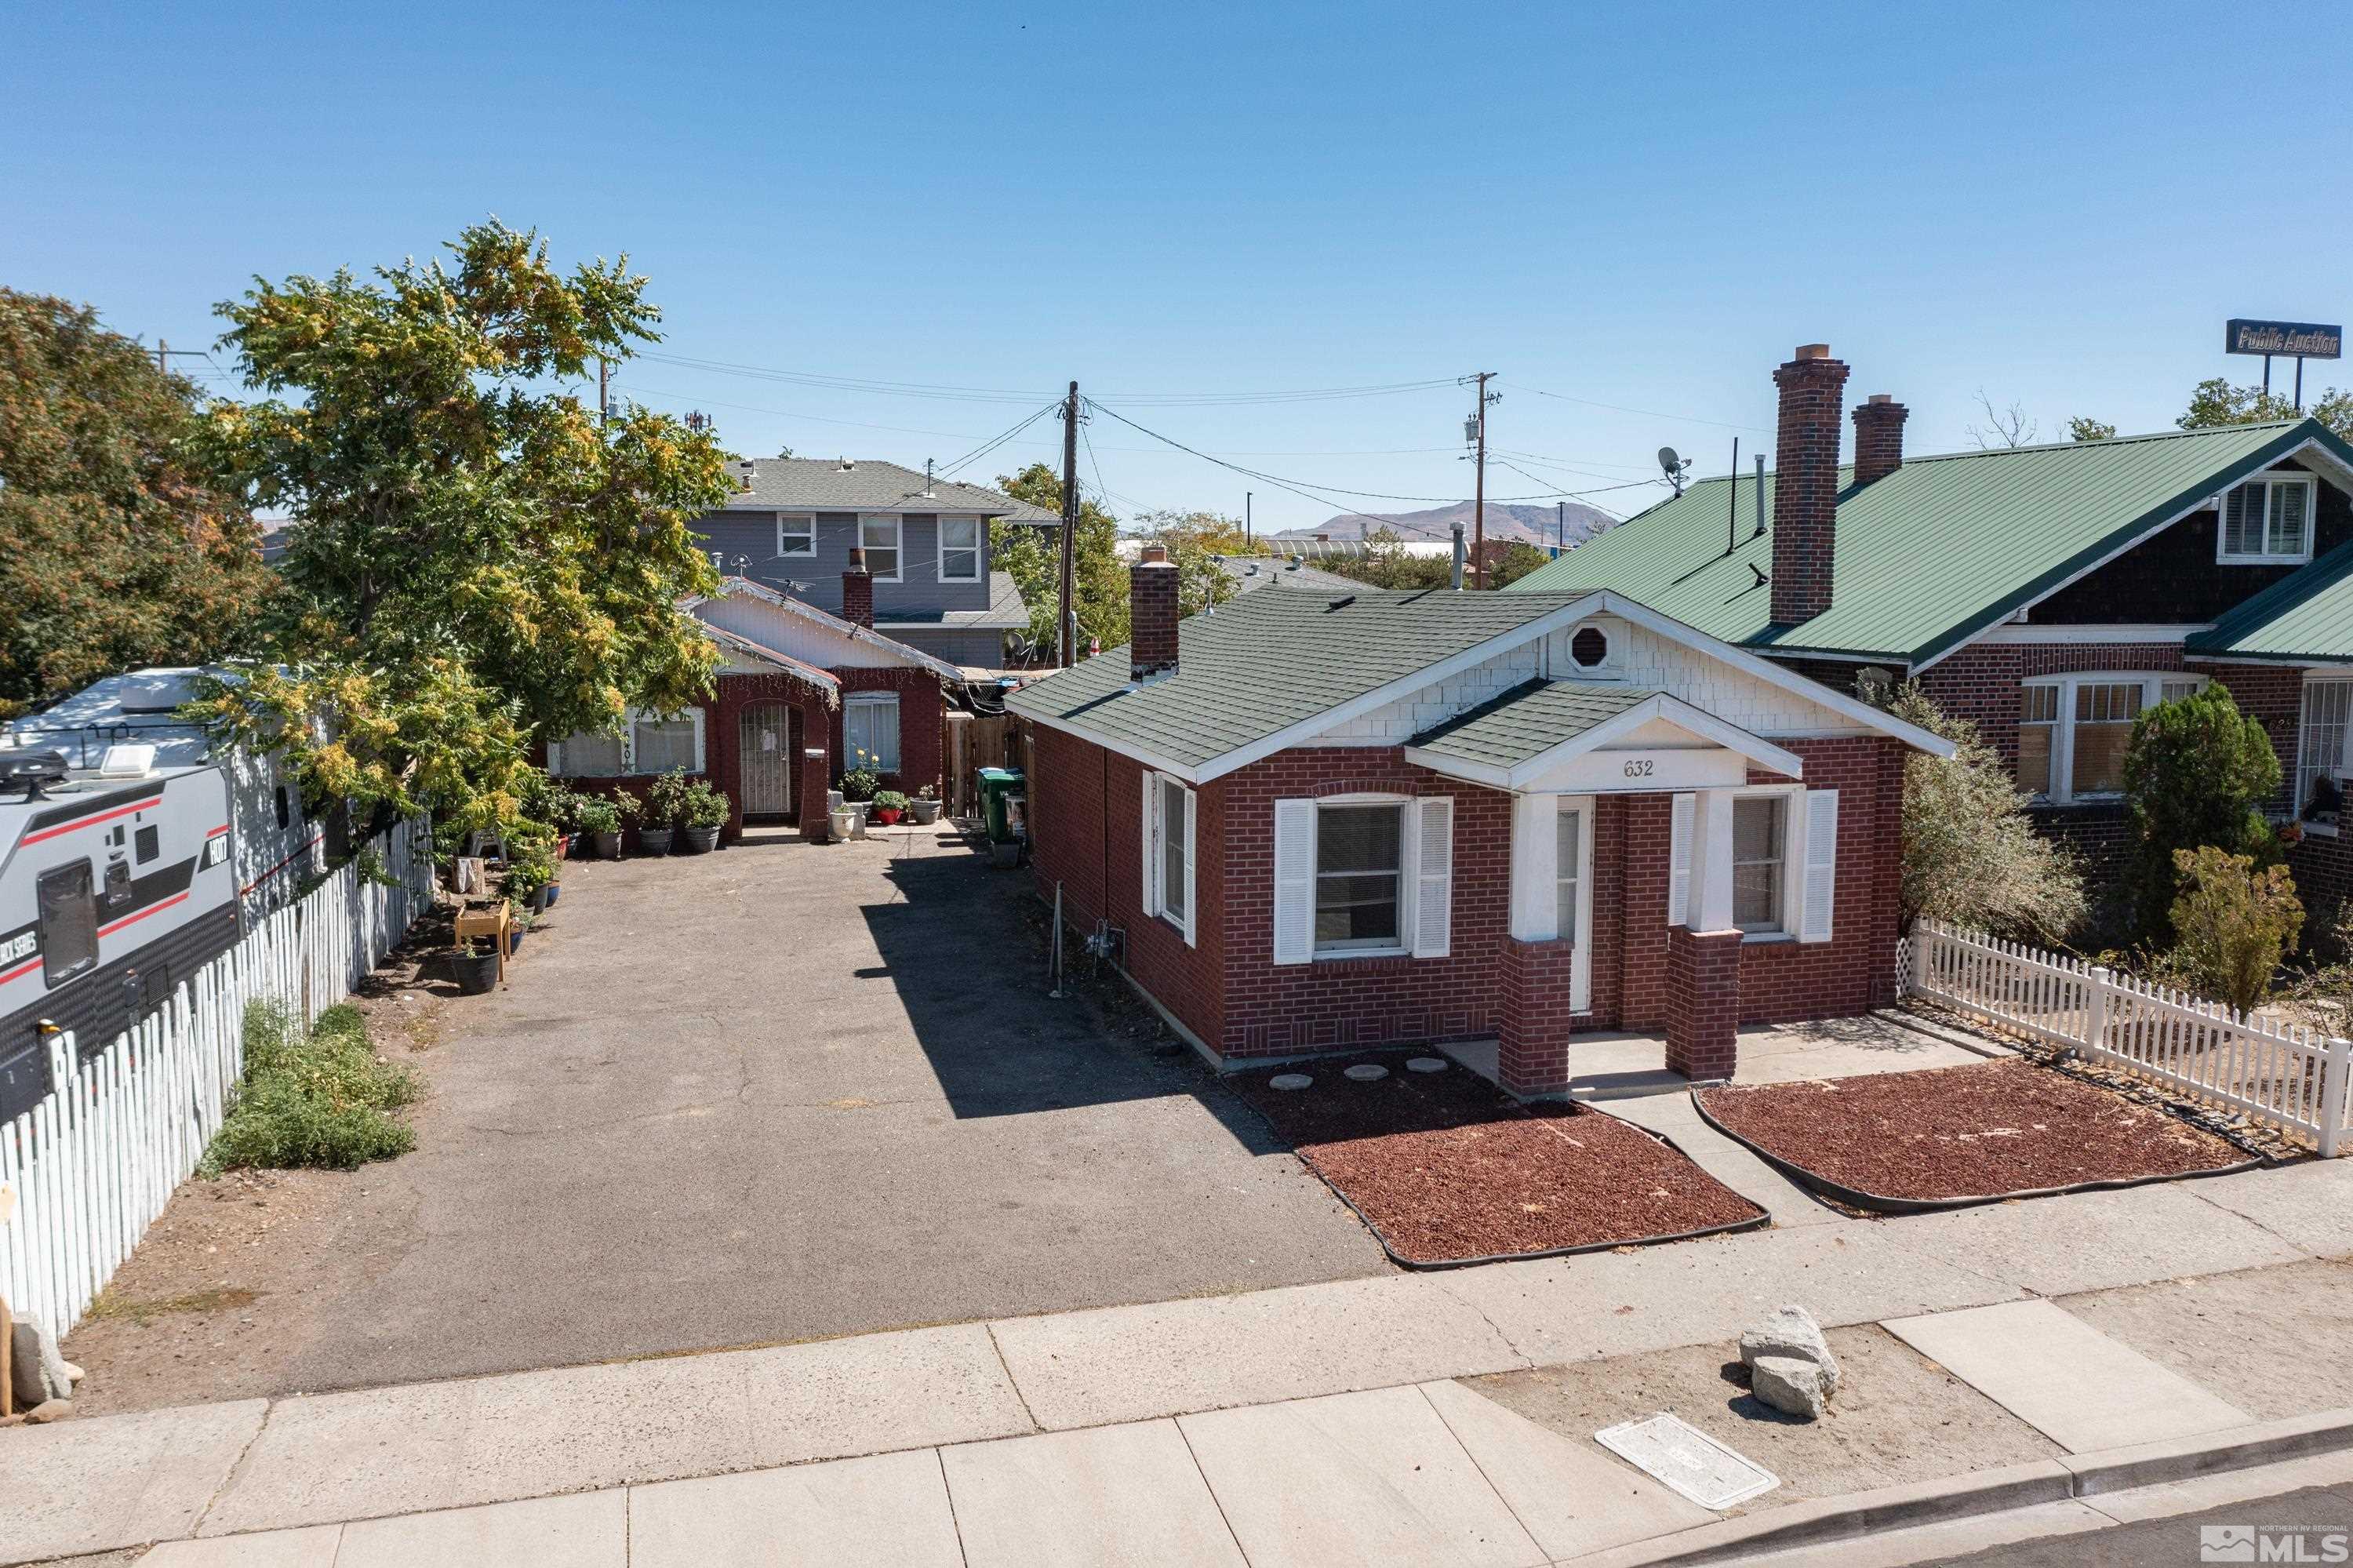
[{"x": 318, "y": 1097}]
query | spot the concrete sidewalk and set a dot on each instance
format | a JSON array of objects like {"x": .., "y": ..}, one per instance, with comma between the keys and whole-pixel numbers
[{"x": 1102, "y": 1400}]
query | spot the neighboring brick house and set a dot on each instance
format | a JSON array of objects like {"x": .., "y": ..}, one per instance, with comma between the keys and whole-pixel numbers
[
  {"x": 1314, "y": 821},
  {"x": 2048, "y": 594},
  {"x": 802, "y": 692},
  {"x": 793, "y": 523}
]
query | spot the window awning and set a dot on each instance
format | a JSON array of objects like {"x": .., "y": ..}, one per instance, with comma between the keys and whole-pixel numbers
[{"x": 1590, "y": 737}]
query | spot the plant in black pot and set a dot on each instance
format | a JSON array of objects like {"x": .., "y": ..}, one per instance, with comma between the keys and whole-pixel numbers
[
  {"x": 628, "y": 809},
  {"x": 706, "y": 813},
  {"x": 529, "y": 876},
  {"x": 600, "y": 820},
  {"x": 665, "y": 809},
  {"x": 475, "y": 967}
]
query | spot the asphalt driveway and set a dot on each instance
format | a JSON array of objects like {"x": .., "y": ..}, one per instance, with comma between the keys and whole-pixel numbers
[{"x": 788, "y": 1091}]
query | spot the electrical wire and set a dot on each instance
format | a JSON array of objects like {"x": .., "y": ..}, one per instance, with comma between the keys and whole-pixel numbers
[
  {"x": 1012, "y": 395},
  {"x": 1622, "y": 408},
  {"x": 989, "y": 446}
]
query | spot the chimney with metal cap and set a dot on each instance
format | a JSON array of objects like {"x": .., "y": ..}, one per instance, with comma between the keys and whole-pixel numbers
[
  {"x": 857, "y": 591},
  {"x": 1878, "y": 437},
  {"x": 1805, "y": 484},
  {"x": 1152, "y": 616}
]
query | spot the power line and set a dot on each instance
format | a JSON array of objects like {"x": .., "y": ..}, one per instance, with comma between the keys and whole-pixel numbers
[
  {"x": 1622, "y": 408},
  {"x": 989, "y": 446},
  {"x": 1007, "y": 393}
]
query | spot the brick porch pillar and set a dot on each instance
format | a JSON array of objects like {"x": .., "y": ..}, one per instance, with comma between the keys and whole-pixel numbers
[
  {"x": 1531, "y": 1036},
  {"x": 817, "y": 768},
  {"x": 1703, "y": 1002}
]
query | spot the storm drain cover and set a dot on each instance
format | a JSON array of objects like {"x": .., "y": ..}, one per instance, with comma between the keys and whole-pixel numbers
[
  {"x": 1425, "y": 1063},
  {"x": 1688, "y": 1460},
  {"x": 1291, "y": 1080},
  {"x": 1366, "y": 1072}
]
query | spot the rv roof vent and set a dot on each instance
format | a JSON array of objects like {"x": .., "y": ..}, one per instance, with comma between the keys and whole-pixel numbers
[{"x": 127, "y": 761}]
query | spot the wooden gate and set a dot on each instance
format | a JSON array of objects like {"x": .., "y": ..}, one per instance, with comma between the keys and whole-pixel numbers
[
  {"x": 975, "y": 741},
  {"x": 765, "y": 759}
]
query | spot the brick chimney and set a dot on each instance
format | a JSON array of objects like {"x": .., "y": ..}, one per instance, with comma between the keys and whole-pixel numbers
[
  {"x": 1878, "y": 437},
  {"x": 1152, "y": 616},
  {"x": 857, "y": 591},
  {"x": 1805, "y": 483}
]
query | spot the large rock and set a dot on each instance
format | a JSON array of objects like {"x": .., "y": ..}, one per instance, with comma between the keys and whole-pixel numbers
[
  {"x": 1788, "y": 1385},
  {"x": 37, "y": 1368},
  {"x": 1791, "y": 1332},
  {"x": 49, "y": 1410}
]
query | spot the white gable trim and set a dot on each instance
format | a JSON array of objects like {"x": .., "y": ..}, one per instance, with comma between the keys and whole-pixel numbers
[
  {"x": 1671, "y": 709},
  {"x": 846, "y": 630}
]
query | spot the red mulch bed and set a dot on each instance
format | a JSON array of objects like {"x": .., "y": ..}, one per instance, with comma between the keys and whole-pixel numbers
[
  {"x": 1979, "y": 1131},
  {"x": 1448, "y": 1169}
]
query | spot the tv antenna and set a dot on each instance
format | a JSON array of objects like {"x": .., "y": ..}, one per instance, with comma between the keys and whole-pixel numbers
[{"x": 1673, "y": 467}]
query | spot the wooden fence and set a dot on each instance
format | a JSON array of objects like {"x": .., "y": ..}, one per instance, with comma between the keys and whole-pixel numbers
[
  {"x": 2290, "y": 1078},
  {"x": 975, "y": 741},
  {"x": 95, "y": 1162}
]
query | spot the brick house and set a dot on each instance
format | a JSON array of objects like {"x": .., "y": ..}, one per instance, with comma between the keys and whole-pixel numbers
[
  {"x": 1310, "y": 823},
  {"x": 801, "y": 692},
  {"x": 2047, "y": 593}
]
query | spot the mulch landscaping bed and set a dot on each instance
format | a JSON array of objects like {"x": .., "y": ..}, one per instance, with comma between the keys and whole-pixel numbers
[
  {"x": 1448, "y": 1169},
  {"x": 1948, "y": 1136}
]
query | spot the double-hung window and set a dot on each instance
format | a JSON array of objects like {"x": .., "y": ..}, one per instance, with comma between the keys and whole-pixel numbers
[
  {"x": 879, "y": 536},
  {"x": 1364, "y": 876},
  {"x": 2267, "y": 521},
  {"x": 959, "y": 549},
  {"x": 1168, "y": 851},
  {"x": 2073, "y": 730},
  {"x": 2320, "y": 750},
  {"x": 870, "y": 730},
  {"x": 1359, "y": 878},
  {"x": 1760, "y": 837},
  {"x": 796, "y": 534},
  {"x": 1569, "y": 867},
  {"x": 646, "y": 743}
]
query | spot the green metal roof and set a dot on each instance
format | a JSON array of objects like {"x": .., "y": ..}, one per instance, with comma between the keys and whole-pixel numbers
[
  {"x": 2307, "y": 615},
  {"x": 1528, "y": 720},
  {"x": 1929, "y": 555},
  {"x": 1265, "y": 661}
]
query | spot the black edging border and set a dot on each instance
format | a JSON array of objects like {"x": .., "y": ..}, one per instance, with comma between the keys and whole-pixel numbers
[{"x": 1855, "y": 1197}]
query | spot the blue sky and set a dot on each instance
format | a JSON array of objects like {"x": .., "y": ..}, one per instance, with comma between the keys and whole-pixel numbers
[{"x": 1643, "y": 207}]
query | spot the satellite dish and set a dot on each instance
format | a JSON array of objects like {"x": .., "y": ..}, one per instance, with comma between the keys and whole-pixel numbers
[{"x": 1669, "y": 460}]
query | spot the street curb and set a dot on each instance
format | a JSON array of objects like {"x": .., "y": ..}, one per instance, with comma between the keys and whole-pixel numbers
[{"x": 1857, "y": 1514}]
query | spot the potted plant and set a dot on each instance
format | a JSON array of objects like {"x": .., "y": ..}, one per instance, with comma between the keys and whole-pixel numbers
[
  {"x": 860, "y": 784},
  {"x": 521, "y": 922},
  {"x": 706, "y": 813},
  {"x": 475, "y": 968},
  {"x": 845, "y": 819},
  {"x": 889, "y": 806},
  {"x": 665, "y": 806},
  {"x": 600, "y": 821},
  {"x": 529, "y": 878},
  {"x": 925, "y": 806},
  {"x": 627, "y": 808}
]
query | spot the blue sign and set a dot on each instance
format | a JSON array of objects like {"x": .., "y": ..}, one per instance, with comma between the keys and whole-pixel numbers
[{"x": 2299, "y": 340}]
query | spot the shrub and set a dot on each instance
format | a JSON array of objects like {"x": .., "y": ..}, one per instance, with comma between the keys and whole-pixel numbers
[
  {"x": 2197, "y": 774},
  {"x": 1970, "y": 855},
  {"x": 597, "y": 815},
  {"x": 890, "y": 800},
  {"x": 2235, "y": 920},
  {"x": 860, "y": 783},
  {"x": 319, "y": 1098},
  {"x": 706, "y": 806},
  {"x": 666, "y": 799}
]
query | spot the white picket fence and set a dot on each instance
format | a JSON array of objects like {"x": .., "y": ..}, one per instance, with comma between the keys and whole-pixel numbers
[
  {"x": 2291, "y": 1078},
  {"x": 93, "y": 1163}
]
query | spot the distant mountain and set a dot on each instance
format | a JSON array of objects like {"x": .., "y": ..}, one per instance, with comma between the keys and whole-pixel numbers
[{"x": 1523, "y": 523}]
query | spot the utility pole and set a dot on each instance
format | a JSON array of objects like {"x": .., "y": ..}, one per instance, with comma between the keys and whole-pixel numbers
[
  {"x": 1479, "y": 484},
  {"x": 1067, "y": 623},
  {"x": 1246, "y": 517},
  {"x": 165, "y": 351},
  {"x": 604, "y": 392}
]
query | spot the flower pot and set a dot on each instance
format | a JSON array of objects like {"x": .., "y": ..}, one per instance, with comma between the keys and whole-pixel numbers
[
  {"x": 832, "y": 801},
  {"x": 701, "y": 841},
  {"x": 608, "y": 846},
  {"x": 514, "y": 939},
  {"x": 1007, "y": 855},
  {"x": 554, "y": 891},
  {"x": 653, "y": 841},
  {"x": 886, "y": 815},
  {"x": 843, "y": 822},
  {"x": 927, "y": 811},
  {"x": 538, "y": 898},
  {"x": 563, "y": 846},
  {"x": 475, "y": 972}
]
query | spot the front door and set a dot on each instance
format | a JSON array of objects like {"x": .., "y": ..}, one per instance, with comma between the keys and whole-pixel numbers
[{"x": 766, "y": 760}]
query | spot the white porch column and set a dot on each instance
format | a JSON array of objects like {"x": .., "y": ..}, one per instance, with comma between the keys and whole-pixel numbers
[
  {"x": 1535, "y": 906},
  {"x": 1711, "y": 884}
]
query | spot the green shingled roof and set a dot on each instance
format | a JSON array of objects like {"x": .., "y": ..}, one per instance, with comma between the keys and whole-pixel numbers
[
  {"x": 2307, "y": 615},
  {"x": 1265, "y": 661},
  {"x": 1528, "y": 720},
  {"x": 1929, "y": 555}
]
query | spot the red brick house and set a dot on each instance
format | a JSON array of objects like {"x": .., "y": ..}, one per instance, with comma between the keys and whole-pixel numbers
[
  {"x": 2047, "y": 593},
  {"x": 801, "y": 694},
  {"x": 1310, "y": 823}
]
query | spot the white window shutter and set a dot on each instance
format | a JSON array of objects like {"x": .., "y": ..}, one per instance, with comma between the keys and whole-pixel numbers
[
  {"x": 1192, "y": 905},
  {"x": 1151, "y": 834},
  {"x": 1679, "y": 858},
  {"x": 1821, "y": 864},
  {"x": 1294, "y": 881},
  {"x": 1433, "y": 901}
]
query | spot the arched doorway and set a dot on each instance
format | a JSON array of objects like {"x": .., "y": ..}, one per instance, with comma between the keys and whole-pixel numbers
[{"x": 765, "y": 754}]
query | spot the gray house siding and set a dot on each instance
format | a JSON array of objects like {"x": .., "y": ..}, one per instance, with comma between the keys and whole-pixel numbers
[
  {"x": 746, "y": 542},
  {"x": 978, "y": 646}
]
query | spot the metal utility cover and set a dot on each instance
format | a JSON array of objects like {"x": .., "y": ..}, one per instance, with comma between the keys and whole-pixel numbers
[{"x": 1688, "y": 1460}]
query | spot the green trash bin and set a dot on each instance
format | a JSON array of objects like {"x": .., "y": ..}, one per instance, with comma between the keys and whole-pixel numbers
[{"x": 999, "y": 786}]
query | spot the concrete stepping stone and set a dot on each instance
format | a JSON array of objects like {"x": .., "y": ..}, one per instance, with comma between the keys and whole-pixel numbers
[
  {"x": 1425, "y": 1063},
  {"x": 2056, "y": 1372},
  {"x": 1108, "y": 1494},
  {"x": 1290, "y": 1081},
  {"x": 1366, "y": 1072}
]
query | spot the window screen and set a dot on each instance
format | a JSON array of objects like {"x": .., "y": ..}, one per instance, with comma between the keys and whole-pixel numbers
[
  {"x": 796, "y": 536},
  {"x": 1172, "y": 850},
  {"x": 1759, "y": 833},
  {"x": 881, "y": 538},
  {"x": 69, "y": 922},
  {"x": 2105, "y": 712},
  {"x": 663, "y": 744},
  {"x": 959, "y": 549},
  {"x": 1358, "y": 873},
  {"x": 870, "y": 724},
  {"x": 2037, "y": 718},
  {"x": 1568, "y": 829},
  {"x": 591, "y": 754},
  {"x": 2326, "y": 705}
]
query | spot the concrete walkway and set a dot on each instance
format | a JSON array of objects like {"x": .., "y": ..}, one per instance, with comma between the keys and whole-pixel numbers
[{"x": 365, "y": 1464}]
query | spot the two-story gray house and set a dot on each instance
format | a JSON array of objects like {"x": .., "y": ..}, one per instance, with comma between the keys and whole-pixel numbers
[{"x": 792, "y": 522}]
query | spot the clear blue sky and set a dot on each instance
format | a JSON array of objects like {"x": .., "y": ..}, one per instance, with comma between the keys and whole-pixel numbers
[{"x": 1641, "y": 205}]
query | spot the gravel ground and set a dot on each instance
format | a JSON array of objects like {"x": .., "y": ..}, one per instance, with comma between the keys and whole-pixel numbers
[
  {"x": 1447, "y": 1167},
  {"x": 1979, "y": 1131}
]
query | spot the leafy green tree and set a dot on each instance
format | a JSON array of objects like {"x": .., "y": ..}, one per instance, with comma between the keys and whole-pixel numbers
[
  {"x": 2235, "y": 920},
  {"x": 1196, "y": 540},
  {"x": 2081, "y": 429},
  {"x": 1386, "y": 564},
  {"x": 2197, "y": 773},
  {"x": 1972, "y": 856},
  {"x": 1030, "y": 554},
  {"x": 475, "y": 563},
  {"x": 2215, "y": 401},
  {"x": 114, "y": 550},
  {"x": 1519, "y": 559}
]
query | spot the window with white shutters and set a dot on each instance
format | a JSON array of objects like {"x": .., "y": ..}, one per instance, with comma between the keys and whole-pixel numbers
[{"x": 1821, "y": 888}]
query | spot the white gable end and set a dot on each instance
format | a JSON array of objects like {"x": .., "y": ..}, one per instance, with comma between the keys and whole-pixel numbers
[{"x": 794, "y": 635}]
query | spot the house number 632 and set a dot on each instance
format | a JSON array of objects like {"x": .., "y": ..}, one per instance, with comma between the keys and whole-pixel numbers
[{"x": 1638, "y": 768}]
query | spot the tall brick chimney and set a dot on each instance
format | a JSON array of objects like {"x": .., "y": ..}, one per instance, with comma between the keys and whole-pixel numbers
[
  {"x": 1878, "y": 437},
  {"x": 857, "y": 591},
  {"x": 1805, "y": 483},
  {"x": 1152, "y": 616}
]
